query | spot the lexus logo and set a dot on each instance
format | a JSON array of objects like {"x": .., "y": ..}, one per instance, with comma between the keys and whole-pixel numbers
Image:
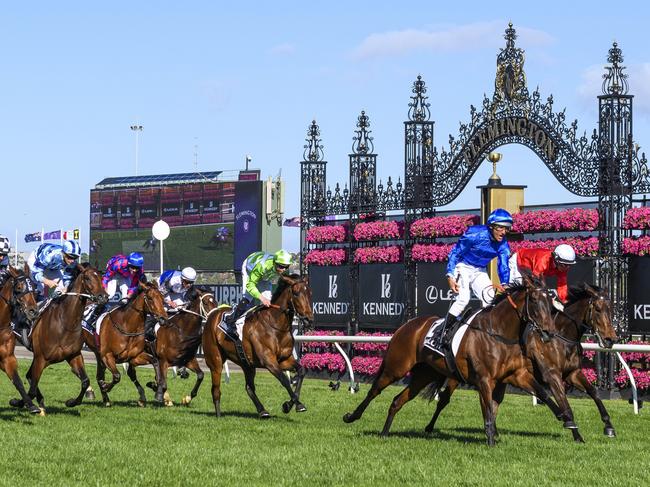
[
  {"x": 385, "y": 286},
  {"x": 333, "y": 287},
  {"x": 431, "y": 294}
]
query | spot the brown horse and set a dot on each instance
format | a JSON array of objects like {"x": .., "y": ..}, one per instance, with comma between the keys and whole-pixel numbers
[
  {"x": 489, "y": 356},
  {"x": 267, "y": 342},
  {"x": 556, "y": 352},
  {"x": 121, "y": 338},
  {"x": 178, "y": 341},
  {"x": 56, "y": 336},
  {"x": 17, "y": 298}
]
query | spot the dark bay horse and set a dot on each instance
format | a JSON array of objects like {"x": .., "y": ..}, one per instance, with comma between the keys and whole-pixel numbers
[
  {"x": 17, "y": 298},
  {"x": 267, "y": 342},
  {"x": 556, "y": 352},
  {"x": 121, "y": 339},
  {"x": 178, "y": 341},
  {"x": 489, "y": 356},
  {"x": 56, "y": 336}
]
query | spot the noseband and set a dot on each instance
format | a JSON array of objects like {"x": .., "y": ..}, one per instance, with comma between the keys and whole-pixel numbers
[{"x": 16, "y": 296}]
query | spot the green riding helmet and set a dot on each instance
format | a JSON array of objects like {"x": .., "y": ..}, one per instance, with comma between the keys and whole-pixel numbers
[{"x": 282, "y": 258}]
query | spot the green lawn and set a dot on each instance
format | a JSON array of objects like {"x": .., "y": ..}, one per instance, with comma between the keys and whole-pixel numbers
[{"x": 126, "y": 445}]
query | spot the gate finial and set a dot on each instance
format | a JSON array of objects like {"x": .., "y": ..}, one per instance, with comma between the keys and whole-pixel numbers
[{"x": 615, "y": 81}]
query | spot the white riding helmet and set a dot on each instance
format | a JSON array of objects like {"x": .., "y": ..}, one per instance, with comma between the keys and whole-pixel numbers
[
  {"x": 188, "y": 274},
  {"x": 5, "y": 247},
  {"x": 564, "y": 254}
]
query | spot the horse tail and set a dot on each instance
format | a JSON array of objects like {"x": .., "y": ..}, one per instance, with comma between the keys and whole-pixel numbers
[{"x": 430, "y": 392}]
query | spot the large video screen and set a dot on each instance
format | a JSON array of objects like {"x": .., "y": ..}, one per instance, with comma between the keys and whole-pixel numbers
[{"x": 214, "y": 226}]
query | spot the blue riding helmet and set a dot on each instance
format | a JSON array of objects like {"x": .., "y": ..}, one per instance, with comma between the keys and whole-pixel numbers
[
  {"x": 135, "y": 259},
  {"x": 500, "y": 217},
  {"x": 72, "y": 248}
]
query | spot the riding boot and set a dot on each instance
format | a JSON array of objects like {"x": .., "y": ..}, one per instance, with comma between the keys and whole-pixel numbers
[
  {"x": 96, "y": 312},
  {"x": 150, "y": 328},
  {"x": 445, "y": 336},
  {"x": 230, "y": 321}
]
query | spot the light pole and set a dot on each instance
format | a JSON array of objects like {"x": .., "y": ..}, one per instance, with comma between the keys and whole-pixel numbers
[{"x": 137, "y": 129}]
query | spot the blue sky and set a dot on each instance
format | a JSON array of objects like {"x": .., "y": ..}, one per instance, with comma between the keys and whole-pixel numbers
[{"x": 249, "y": 78}]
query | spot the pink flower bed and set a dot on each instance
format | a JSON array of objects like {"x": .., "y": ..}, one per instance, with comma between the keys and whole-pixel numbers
[
  {"x": 319, "y": 346},
  {"x": 325, "y": 257},
  {"x": 636, "y": 246},
  {"x": 431, "y": 252},
  {"x": 641, "y": 357},
  {"x": 326, "y": 234},
  {"x": 637, "y": 218},
  {"x": 573, "y": 219},
  {"x": 379, "y": 230},
  {"x": 641, "y": 378},
  {"x": 585, "y": 247},
  {"x": 371, "y": 347},
  {"x": 369, "y": 255},
  {"x": 366, "y": 365},
  {"x": 332, "y": 362},
  {"x": 443, "y": 226},
  {"x": 590, "y": 374}
]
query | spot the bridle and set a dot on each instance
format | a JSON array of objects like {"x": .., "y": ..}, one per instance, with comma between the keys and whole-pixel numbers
[
  {"x": 290, "y": 311},
  {"x": 16, "y": 301},
  {"x": 95, "y": 298},
  {"x": 146, "y": 309},
  {"x": 585, "y": 324}
]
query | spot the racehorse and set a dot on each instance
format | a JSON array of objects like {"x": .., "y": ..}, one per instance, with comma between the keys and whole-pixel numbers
[
  {"x": 56, "y": 336},
  {"x": 267, "y": 342},
  {"x": 17, "y": 298},
  {"x": 556, "y": 352},
  {"x": 177, "y": 342},
  {"x": 121, "y": 338},
  {"x": 489, "y": 356}
]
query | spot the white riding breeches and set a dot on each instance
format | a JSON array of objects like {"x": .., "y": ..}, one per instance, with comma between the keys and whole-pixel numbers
[
  {"x": 471, "y": 279},
  {"x": 515, "y": 275},
  {"x": 115, "y": 285}
]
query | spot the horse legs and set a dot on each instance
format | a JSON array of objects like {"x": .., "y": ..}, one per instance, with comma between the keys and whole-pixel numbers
[
  {"x": 249, "y": 373},
  {"x": 498, "y": 394},
  {"x": 100, "y": 375},
  {"x": 443, "y": 399},
  {"x": 485, "y": 387},
  {"x": 292, "y": 364},
  {"x": 131, "y": 373},
  {"x": 421, "y": 376},
  {"x": 556, "y": 384},
  {"x": 193, "y": 365},
  {"x": 77, "y": 365},
  {"x": 270, "y": 362},
  {"x": 143, "y": 359},
  {"x": 385, "y": 377},
  {"x": 33, "y": 376},
  {"x": 109, "y": 363},
  {"x": 578, "y": 379},
  {"x": 10, "y": 366}
]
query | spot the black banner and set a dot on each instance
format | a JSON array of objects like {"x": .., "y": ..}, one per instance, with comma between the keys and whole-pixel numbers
[
  {"x": 432, "y": 292},
  {"x": 171, "y": 209},
  {"x": 191, "y": 207},
  {"x": 581, "y": 271},
  {"x": 638, "y": 295},
  {"x": 331, "y": 291},
  {"x": 127, "y": 210},
  {"x": 149, "y": 211},
  {"x": 382, "y": 294},
  {"x": 227, "y": 293},
  {"x": 211, "y": 205}
]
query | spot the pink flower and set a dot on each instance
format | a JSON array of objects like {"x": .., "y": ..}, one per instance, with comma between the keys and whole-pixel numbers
[
  {"x": 637, "y": 218},
  {"x": 591, "y": 375},
  {"x": 368, "y": 255},
  {"x": 636, "y": 246},
  {"x": 442, "y": 226},
  {"x": 572, "y": 219},
  {"x": 641, "y": 378},
  {"x": 332, "y": 362},
  {"x": 325, "y": 257},
  {"x": 379, "y": 230},
  {"x": 366, "y": 365},
  {"x": 326, "y": 234},
  {"x": 431, "y": 252}
]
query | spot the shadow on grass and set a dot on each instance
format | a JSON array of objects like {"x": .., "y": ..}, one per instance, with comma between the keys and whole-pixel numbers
[
  {"x": 7, "y": 412},
  {"x": 244, "y": 415},
  {"x": 462, "y": 435}
]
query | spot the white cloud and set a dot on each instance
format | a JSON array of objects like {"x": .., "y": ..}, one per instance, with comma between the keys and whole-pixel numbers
[
  {"x": 282, "y": 49},
  {"x": 638, "y": 79},
  {"x": 455, "y": 38}
]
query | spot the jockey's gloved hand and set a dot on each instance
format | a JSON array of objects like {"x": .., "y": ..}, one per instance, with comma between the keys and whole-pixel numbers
[{"x": 58, "y": 292}]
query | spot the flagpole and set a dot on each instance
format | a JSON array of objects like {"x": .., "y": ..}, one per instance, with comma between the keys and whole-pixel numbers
[
  {"x": 42, "y": 235},
  {"x": 61, "y": 237},
  {"x": 16, "y": 249}
]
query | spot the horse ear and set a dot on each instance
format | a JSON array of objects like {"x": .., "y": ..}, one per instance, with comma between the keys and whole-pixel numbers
[
  {"x": 12, "y": 271},
  {"x": 287, "y": 279},
  {"x": 142, "y": 285},
  {"x": 26, "y": 269}
]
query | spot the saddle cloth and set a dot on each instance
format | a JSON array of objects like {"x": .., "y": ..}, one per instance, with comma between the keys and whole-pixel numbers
[
  {"x": 240, "y": 321},
  {"x": 458, "y": 335}
]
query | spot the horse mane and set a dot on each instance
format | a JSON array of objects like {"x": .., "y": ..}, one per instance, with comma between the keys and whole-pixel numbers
[
  {"x": 581, "y": 291},
  {"x": 283, "y": 284},
  {"x": 511, "y": 289}
]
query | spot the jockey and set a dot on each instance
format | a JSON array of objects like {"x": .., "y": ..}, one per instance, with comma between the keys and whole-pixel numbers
[
  {"x": 4, "y": 258},
  {"x": 51, "y": 265},
  {"x": 466, "y": 269},
  {"x": 544, "y": 262},
  {"x": 123, "y": 274},
  {"x": 173, "y": 285},
  {"x": 258, "y": 270}
]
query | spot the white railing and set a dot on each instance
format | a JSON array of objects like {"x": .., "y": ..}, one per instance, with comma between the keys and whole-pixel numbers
[{"x": 337, "y": 340}]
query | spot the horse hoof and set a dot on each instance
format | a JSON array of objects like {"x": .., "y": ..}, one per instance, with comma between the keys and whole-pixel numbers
[
  {"x": 610, "y": 432},
  {"x": 41, "y": 411},
  {"x": 141, "y": 403},
  {"x": 428, "y": 430},
  {"x": 286, "y": 407},
  {"x": 169, "y": 404},
  {"x": 264, "y": 415},
  {"x": 90, "y": 395},
  {"x": 300, "y": 408},
  {"x": 348, "y": 418},
  {"x": 186, "y": 400},
  {"x": 71, "y": 403},
  {"x": 570, "y": 425},
  {"x": 108, "y": 404},
  {"x": 34, "y": 409},
  {"x": 17, "y": 403}
]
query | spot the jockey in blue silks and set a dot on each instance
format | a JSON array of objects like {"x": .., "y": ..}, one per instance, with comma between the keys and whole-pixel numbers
[
  {"x": 51, "y": 265},
  {"x": 466, "y": 269},
  {"x": 4, "y": 258}
]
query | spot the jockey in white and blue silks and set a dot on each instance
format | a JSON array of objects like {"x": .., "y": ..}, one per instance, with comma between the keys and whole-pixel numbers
[
  {"x": 51, "y": 265},
  {"x": 4, "y": 258},
  {"x": 468, "y": 260},
  {"x": 174, "y": 285}
]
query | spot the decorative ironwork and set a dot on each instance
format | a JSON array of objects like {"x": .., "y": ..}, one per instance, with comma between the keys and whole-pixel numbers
[
  {"x": 510, "y": 80},
  {"x": 363, "y": 168},
  {"x": 614, "y": 80}
]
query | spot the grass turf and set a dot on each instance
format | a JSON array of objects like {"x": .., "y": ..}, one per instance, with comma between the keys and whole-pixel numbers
[{"x": 128, "y": 445}]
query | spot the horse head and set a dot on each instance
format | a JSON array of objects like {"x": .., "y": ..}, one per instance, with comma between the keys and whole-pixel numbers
[
  {"x": 87, "y": 280},
  {"x": 153, "y": 301},
  {"x": 201, "y": 300},
  {"x": 597, "y": 314},
  {"x": 300, "y": 297},
  {"x": 23, "y": 294},
  {"x": 533, "y": 301}
]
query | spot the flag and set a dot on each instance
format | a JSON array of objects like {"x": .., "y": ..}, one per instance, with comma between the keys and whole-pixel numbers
[
  {"x": 292, "y": 222},
  {"x": 70, "y": 234},
  {"x": 33, "y": 237},
  {"x": 55, "y": 235}
]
